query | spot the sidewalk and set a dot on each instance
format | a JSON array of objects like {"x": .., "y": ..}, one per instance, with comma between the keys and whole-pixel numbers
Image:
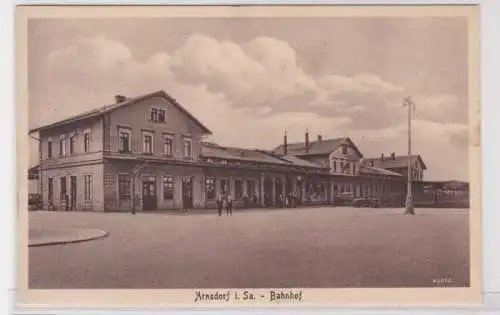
[{"x": 45, "y": 237}]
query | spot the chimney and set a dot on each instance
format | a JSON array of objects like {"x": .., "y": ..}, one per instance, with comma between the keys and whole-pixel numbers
[
  {"x": 320, "y": 138},
  {"x": 120, "y": 98},
  {"x": 307, "y": 140},
  {"x": 285, "y": 144},
  {"x": 393, "y": 155},
  {"x": 382, "y": 156}
]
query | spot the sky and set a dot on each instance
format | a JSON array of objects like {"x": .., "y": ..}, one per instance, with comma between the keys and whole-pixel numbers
[{"x": 250, "y": 79}]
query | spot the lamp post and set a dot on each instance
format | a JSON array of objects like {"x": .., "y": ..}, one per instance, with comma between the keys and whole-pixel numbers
[{"x": 409, "y": 194}]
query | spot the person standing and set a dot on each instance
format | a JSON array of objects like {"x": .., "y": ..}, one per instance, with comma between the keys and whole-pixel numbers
[
  {"x": 229, "y": 205},
  {"x": 66, "y": 201},
  {"x": 219, "y": 204}
]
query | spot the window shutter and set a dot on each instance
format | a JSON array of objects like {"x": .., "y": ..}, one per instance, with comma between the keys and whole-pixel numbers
[{"x": 148, "y": 115}]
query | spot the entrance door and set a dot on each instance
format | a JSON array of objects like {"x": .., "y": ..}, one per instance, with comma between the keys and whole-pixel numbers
[
  {"x": 224, "y": 187},
  {"x": 72, "y": 192},
  {"x": 187, "y": 192},
  {"x": 149, "y": 195}
]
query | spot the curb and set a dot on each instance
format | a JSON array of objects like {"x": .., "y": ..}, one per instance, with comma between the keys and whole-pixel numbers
[{"x": 98, "y": 235}]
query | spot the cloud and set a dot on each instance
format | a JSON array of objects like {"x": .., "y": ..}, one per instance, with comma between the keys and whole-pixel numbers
[
  {"x": 444, "y": 107},
  {"x": 249, "y": 93},
  {"x": 264, "y": 72}
]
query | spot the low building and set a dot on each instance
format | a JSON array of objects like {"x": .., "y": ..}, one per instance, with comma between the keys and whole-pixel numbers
[
  {"x": 399, "y": 164},
  {"x": 148, "y": 153}
]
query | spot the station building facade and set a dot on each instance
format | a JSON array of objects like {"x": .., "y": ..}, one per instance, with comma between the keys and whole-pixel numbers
[{"x": 148, "y": 153}]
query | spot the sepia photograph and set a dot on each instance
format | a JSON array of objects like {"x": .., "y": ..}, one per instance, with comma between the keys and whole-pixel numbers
[{"x": 248, "y": 154}]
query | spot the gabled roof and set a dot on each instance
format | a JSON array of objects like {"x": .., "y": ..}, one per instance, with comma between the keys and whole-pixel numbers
[
  {"x": 367, "y": 169},
  {"x": 299, "y": 162},
  {"x": 324, "y": 146},
  {"x": 213, "y": 150},
  {"x": 389, "y": 162},
  {"x": 128, "y": 101}
]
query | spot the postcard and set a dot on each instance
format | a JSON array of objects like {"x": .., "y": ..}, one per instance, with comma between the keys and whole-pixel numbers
[{"x": 248, "y": 156}]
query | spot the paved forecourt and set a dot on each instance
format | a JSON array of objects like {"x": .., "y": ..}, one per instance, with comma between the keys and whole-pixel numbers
[{"x": 303, "y": 247}]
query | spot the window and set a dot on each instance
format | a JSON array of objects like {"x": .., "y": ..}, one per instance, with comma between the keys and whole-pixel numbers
[
  {"x": 354, "y": 169},
  {"x": 250, "y": 187},
  {"x": 335, "y": 166},
  {"x": 86, "y": 141},
  {"x": 62, "y": 146},
  {"x": 154, "y": 115},
  {"x": 147, "y": 143},
  {"x": 157, "y": 115},
  {"x": 51, "y": 189},
  {"x": 238, "y": 189},
  {"x": 72, "y": 144},
  {"x": 344, "y": 149},
  {"x": 342, "y": 167},
  {"x": 210, "y": 188},
  {"x": 168, "y": 187},
  {"x": 63, "y": 187},
  {"x": 124, "y": 145},
  {"x": 187, "y": 148},
  {"x": 124, "y": 192},
  {"x": 161, "y": 115},
  {"x": 49, "y": 148},
  {"x": 168, "y": 145},
  {"x": 87, "y": 187}
]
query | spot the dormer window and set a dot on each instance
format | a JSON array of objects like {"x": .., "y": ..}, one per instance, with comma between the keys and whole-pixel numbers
[{"x": 157, "y": 115}]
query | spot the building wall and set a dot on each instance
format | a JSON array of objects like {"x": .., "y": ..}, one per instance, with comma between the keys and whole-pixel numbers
[
  {"x": 349, "y": 157},
  {"x": 135, "y": 117},
  {"x": 417, "y": 170},
  {"x": 77, "y": 130},
  {"x": 97, "y": 196},
  {"x": 151, "y": 172}
]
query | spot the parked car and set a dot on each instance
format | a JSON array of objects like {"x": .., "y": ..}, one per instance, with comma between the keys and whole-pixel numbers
[
  {"x": 344, "y": 199},
  {"x": 34, "y": 201},
  {"x": 366, "y": 202}
]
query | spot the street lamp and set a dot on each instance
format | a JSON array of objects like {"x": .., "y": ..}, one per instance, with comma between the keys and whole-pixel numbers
[{"x": 409, "y": 194}]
